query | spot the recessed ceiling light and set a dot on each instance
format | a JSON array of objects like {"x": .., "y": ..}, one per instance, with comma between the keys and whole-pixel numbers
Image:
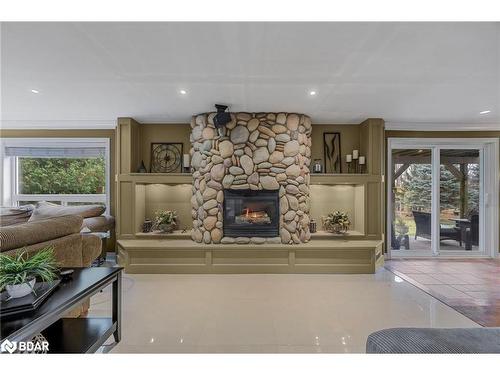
[
  {"x": 484, "y": 112},
  {"x": 34, "y": 91},
  {"x": 183, "y": 92},
  {"x": 312, "y": 93}
]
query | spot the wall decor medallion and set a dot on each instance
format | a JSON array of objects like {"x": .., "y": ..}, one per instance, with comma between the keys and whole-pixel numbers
[
  {"x": 331, "y": 153},
  {"x": 166, "y": 157}
]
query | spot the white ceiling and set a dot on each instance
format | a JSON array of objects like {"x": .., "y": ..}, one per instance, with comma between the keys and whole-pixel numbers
[{"x": 88, "y": 74}]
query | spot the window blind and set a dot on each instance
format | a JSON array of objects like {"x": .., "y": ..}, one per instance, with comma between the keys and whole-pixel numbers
[{"x": 55, "y": 152}]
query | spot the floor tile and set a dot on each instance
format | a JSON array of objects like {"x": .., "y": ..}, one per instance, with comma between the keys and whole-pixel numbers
[
  {"x": 471, "y": 286},
  {"x": 267, "y": 313}
]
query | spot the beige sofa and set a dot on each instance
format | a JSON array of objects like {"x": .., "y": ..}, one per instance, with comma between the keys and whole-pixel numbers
[{"x": 71, "y": 248}]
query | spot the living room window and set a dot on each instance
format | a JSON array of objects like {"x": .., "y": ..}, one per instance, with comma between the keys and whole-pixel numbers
[{"x": 68, "y": 171}]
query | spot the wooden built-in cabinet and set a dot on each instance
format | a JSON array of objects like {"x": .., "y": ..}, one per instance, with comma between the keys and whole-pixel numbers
[{"x": 139, "y": 194}]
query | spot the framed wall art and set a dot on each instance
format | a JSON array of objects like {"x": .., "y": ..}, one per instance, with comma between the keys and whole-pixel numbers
[
  {"x": 331, "y": 153},
  {"x": 166, "y": 157}
]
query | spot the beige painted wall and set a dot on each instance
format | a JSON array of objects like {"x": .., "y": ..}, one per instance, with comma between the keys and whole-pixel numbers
[
  {"x": 149, "y": 133},
  {"x": 167, "y": 197},
  {"x": 348, "y": 198},
  {"x": 154, "y": 133},
  {"x": 349, "y": 140}
]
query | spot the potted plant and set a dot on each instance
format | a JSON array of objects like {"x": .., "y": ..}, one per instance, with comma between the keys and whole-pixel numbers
[
  {"x": 166, "y": 220},
  {"x": 402, "y": 230},
  {"x": 18, "y": 273},
  {"x": 336, "y": 222}
]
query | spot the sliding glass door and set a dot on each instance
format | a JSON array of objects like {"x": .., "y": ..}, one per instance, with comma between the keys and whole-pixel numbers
[
  {"x": 439, "y": 201},
  {"x": 460, "y": 191},
  {"x": 411, "y": 190}
]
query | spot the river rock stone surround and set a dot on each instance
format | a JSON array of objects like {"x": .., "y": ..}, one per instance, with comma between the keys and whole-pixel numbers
[{"x": 257, "y": 151}]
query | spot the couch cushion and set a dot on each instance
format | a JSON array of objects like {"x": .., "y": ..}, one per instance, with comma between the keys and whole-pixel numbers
[
  {"x": 17, "y": 236},
  {"x": 101, "y": 223},
  {"x": 44, "y": 210},
  {"x": 15, "y": 215}
]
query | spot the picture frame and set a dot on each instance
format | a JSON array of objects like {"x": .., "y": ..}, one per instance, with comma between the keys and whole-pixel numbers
[
  {"x": 166, "y": 157},
  {"x": 332, "y": 154}
]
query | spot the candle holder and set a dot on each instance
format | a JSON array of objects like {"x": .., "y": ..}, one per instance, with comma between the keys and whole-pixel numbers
[
  {"x": 349, "y": 167},
  {"x": 362, "y": 164}
]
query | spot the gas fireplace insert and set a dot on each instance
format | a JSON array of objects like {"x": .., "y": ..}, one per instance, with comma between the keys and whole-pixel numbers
[{"x": 251, "y": 213}]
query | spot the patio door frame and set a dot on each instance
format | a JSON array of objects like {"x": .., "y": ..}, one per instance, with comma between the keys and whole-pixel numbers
[{"x": 488, "y": 195}]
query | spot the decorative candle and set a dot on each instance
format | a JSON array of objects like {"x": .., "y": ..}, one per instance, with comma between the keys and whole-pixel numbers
[
  {"x": 362, "y": 160},
  {"x": 348, "y": 158},
  {"x": 355, "y": 154},
  {"x": 185, "y": 161}
]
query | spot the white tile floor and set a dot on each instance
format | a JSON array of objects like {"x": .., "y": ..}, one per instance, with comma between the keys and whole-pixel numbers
[{"x": 268, "y": 313}]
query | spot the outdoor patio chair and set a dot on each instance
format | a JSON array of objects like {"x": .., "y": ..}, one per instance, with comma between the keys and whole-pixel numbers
[{"x": 423, "y": 228}]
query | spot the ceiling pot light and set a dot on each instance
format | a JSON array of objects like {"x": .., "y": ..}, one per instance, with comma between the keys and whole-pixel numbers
[
  {"x": 485, "y": 112},
  {"x": 34, "y": 91},
  {"x": 182, "y": 92},
  {"x": 312, "y": 93}
]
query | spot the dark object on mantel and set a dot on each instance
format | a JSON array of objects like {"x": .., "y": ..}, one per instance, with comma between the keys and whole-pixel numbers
[
  {"x": 313, "y": 226},
  {"x": 147, "y": 226},
  {"x": 142, "y": 168},
  {"x": 26, "y": 304}
]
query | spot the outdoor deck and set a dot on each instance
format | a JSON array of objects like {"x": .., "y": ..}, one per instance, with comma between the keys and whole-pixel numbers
[{"x": 424, "y": 244}]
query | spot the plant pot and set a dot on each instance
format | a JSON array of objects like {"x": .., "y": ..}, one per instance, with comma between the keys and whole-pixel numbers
[
  {"x": 166, "y": 228},
  {"x": 336, "y": 228},
  {"x": 20, "y": 290}
]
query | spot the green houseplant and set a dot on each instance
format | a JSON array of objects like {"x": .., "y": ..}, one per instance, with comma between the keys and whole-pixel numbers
[
  {"x": 18, "y": 273},
  {"x": 166, "y": 220},
  {"x": 336, "y": 222}
]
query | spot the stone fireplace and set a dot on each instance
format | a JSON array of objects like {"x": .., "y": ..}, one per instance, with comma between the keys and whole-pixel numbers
[{"x": 251, "y": 178}]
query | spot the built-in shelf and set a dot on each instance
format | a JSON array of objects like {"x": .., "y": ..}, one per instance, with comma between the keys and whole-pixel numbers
[
  {"x": 186, "y": 178},
  {"x": 343, "y": 179},
  {"x": 324, "y": 235},
  {"x": 175, "y": 235},
  {"x": 82, "y": 335},
  {"x": 157, "y": 178}
]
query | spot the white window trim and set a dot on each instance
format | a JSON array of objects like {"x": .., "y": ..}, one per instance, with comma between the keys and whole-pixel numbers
[
  {"x": 489, "y": 151},
  {"x": 8, "y": 170}
]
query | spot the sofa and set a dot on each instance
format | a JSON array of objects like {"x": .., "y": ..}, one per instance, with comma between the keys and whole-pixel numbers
[
  {"x": 434, "y": 340},
  {"x": 94, "y": 218},
  {"x": 72, "y": 246}
]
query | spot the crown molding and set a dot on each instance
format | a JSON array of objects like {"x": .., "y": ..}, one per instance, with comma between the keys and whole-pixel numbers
[
  {"x": 440, "y": 126},
  {"x": 57, "y": 124}
]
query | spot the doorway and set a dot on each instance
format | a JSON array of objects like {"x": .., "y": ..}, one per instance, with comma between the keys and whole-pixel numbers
[{"x": 442, "y": 197}]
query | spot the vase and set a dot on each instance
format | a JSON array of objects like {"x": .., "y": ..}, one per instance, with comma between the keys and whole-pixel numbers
[
  {"x": 166, "y": 228},
  {"x": 20, "y": 290},
  {"x": 339, "y": 229}
]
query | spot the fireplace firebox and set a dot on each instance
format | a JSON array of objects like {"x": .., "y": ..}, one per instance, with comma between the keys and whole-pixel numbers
[{"x": 251, "y": 213}]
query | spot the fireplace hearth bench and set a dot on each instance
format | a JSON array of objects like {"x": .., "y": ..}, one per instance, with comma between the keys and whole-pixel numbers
[{"x": 186, "y": 256}]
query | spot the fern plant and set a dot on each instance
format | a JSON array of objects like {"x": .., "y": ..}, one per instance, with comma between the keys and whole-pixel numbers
[
  {"x": 166, "y": 220},
  {"x": 337, "y": 222},
  {"x": 20, "y": 269}
]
